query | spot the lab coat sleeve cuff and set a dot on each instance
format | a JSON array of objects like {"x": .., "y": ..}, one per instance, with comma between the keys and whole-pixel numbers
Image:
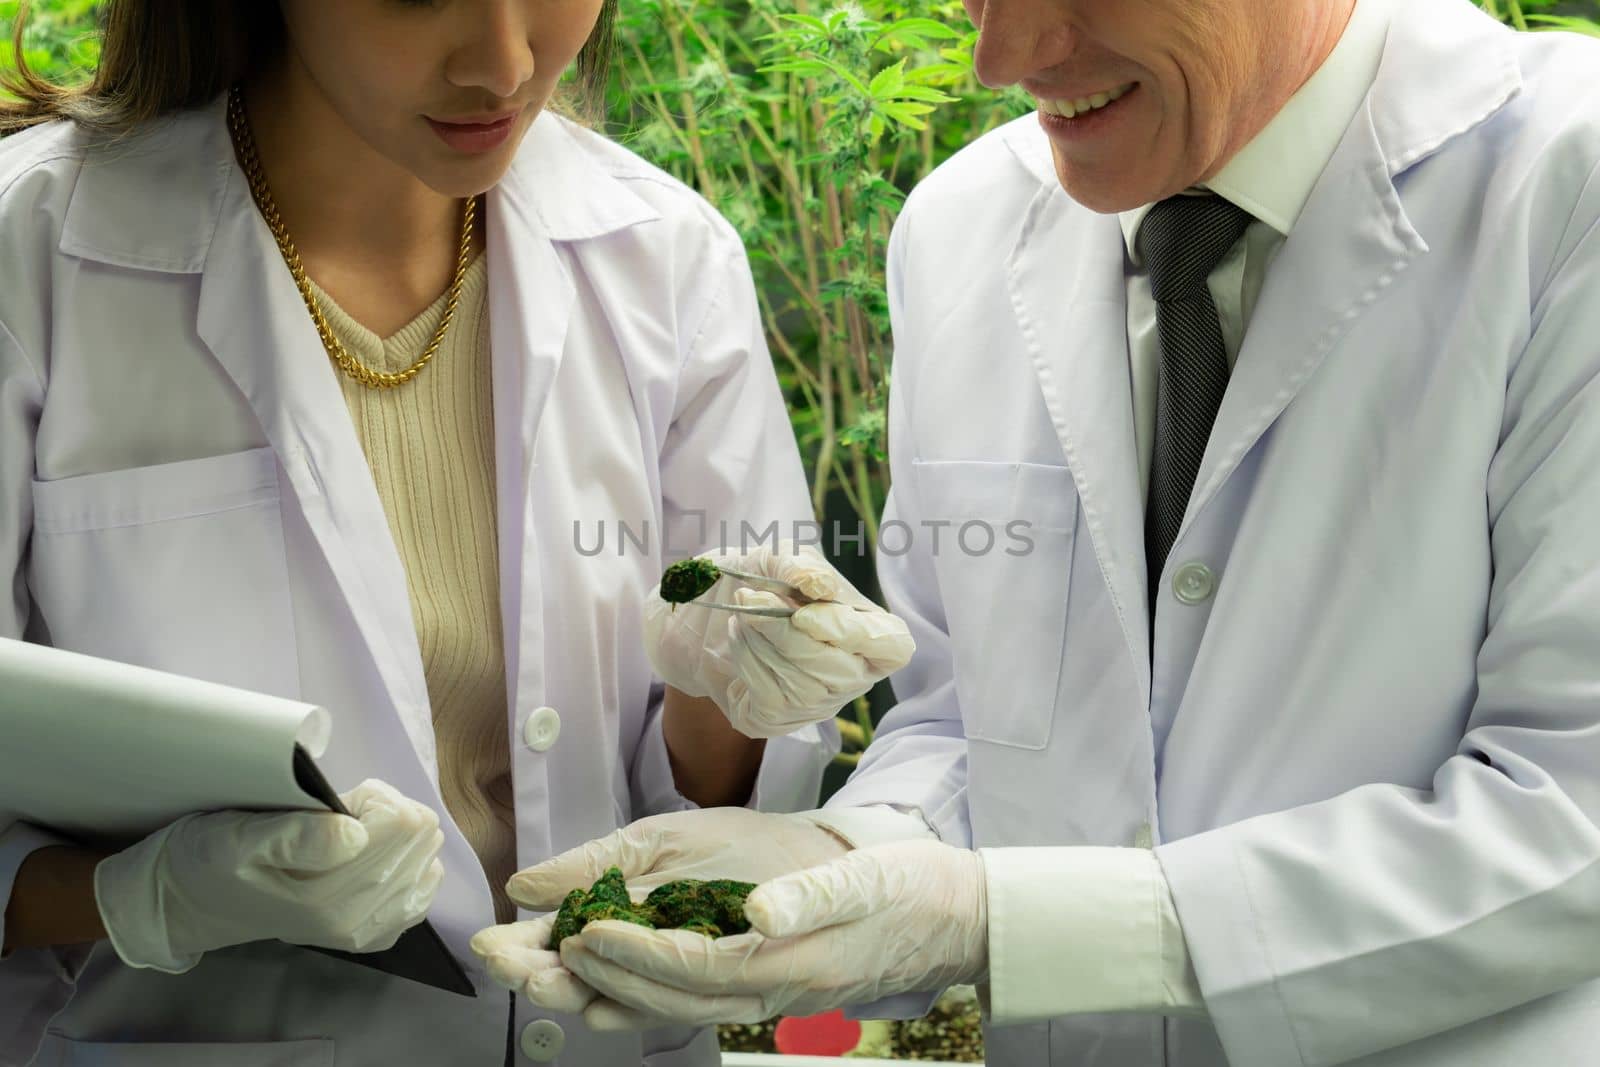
[
  {"x": 791, "y": 772},
  {"x": 1221, "y": 930},
  {"x": 876, "y": 824},
  {"x": 36, "y": 983},
  {"x": 946, "y": 812},
  {"x": 1082, "y": 930}
]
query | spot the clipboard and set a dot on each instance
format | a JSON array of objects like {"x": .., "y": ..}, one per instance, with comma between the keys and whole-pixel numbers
[{"x": 157, "y": 746}]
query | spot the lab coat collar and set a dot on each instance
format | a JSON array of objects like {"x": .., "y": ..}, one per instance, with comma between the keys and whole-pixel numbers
[
  {"x": 1445, "y": 69},
  {"x": 1273, "y": 175},
  {"x": 1448, "y": 67},
  {"x": 560, "y": 177},
  {"x": 154, "y": 200}
]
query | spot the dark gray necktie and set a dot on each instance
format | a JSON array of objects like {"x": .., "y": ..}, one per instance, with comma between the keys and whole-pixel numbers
[{"x": 1181, "y": 242}]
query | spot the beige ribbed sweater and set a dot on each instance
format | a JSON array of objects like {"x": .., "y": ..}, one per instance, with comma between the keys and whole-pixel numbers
[{"x": 430, "y": 444}]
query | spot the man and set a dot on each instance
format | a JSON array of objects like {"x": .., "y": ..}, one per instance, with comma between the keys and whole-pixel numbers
[{"x": 1277, "y": 326}]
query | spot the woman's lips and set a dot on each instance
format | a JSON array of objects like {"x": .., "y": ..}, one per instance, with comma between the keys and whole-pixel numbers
[{"x": 472, "y": 138}]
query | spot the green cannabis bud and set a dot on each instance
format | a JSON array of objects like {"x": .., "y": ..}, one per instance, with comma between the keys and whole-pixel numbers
[
  {"x": 611, "y": 891},
  {"x": 714, "y": 908},
  {"x": 567, "y": 921},
  {"x": 606, "y": 899},
  {"x": 687, "y": 579}
]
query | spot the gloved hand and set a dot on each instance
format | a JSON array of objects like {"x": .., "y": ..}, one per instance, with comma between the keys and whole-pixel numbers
[
  {"x": 309, "y": 878},
  {"x": 897, "y": 918},
  {"x": 771, "y": 677},
  {"x": 715, "y": 843}
]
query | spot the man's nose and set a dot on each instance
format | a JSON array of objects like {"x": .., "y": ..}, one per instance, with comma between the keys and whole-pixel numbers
[
  {"x": 1018, "y": 39},
  {"x": 496, "y": 55}
]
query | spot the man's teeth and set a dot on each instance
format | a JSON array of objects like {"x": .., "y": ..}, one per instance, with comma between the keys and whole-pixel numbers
[{"x": 1071, "y": 108}]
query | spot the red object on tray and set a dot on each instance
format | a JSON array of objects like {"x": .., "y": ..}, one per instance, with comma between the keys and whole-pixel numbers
[{"x": 830, "y": 1034}]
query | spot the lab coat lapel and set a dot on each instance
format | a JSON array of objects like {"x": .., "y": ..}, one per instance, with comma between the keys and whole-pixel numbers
[
  {"x": 555, "y": 197},
  {"x": 1349, "y": 244},
  {"x": 531, "y": 295},
  {"x": 254, "y": 321},
  {"x": 1353, "y": 239},
  {"x": 1066, "y": 282}
]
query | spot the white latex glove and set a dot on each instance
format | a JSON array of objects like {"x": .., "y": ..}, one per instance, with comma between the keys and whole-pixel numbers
[
  {"x": 897, "y": 918},
  {"x": 714, "y": 843},
  {"x": 309, "y": 878},
  {"x": 771, "y": 677}
]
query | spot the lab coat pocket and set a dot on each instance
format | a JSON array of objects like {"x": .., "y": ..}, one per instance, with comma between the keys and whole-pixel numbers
[
  {"x": 180, "y": 567},
  {"x": 1002, "y": 535},
  {"x": 61, "y": 1052}
]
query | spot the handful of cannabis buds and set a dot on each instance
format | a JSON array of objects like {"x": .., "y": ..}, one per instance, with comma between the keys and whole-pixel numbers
[{"x": 713, "y": 908}]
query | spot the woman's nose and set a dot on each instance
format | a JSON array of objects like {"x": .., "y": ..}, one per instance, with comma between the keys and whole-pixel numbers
[{"x": 497, "y": 55}]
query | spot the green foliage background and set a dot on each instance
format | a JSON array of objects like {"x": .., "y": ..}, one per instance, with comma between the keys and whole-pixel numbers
[
  {"x": 805, "y": 122},
  {"x": 59, "y": 41}
]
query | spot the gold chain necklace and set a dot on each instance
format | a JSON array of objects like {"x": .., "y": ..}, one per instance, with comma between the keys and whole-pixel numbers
[{"x": 244, "y": 144}]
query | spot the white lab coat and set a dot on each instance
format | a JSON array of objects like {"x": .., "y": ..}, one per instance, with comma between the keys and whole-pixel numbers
[
  {"x": 181, "y": 487},
  {"x": 1370, "y": 759}
]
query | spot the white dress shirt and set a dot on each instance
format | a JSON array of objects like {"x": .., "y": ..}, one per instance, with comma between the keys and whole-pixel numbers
[
  {"x": 1090, "y": 929},
  {"x": 1271, "y": 178}
]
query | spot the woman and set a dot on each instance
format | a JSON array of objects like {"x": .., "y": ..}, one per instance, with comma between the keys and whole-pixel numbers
[{"x": 326, "y": 349}]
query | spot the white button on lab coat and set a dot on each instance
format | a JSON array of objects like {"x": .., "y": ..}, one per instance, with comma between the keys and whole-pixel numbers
[
  {"x": 1193, "y": 583},
  {"x": 543, "y": 1040},
  {"x": 1368, "y": 744},
  {"x": 542, "y": 730},
  {"x": 181, "y": 487}
]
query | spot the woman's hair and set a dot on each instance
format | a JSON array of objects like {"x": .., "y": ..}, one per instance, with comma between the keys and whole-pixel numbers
[{"x": 160, "y": 56}]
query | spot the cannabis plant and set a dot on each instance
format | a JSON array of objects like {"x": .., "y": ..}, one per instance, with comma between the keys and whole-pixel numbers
[
  {"x": 805, "y": 126},
  {"x": 805, "y": 123}
]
